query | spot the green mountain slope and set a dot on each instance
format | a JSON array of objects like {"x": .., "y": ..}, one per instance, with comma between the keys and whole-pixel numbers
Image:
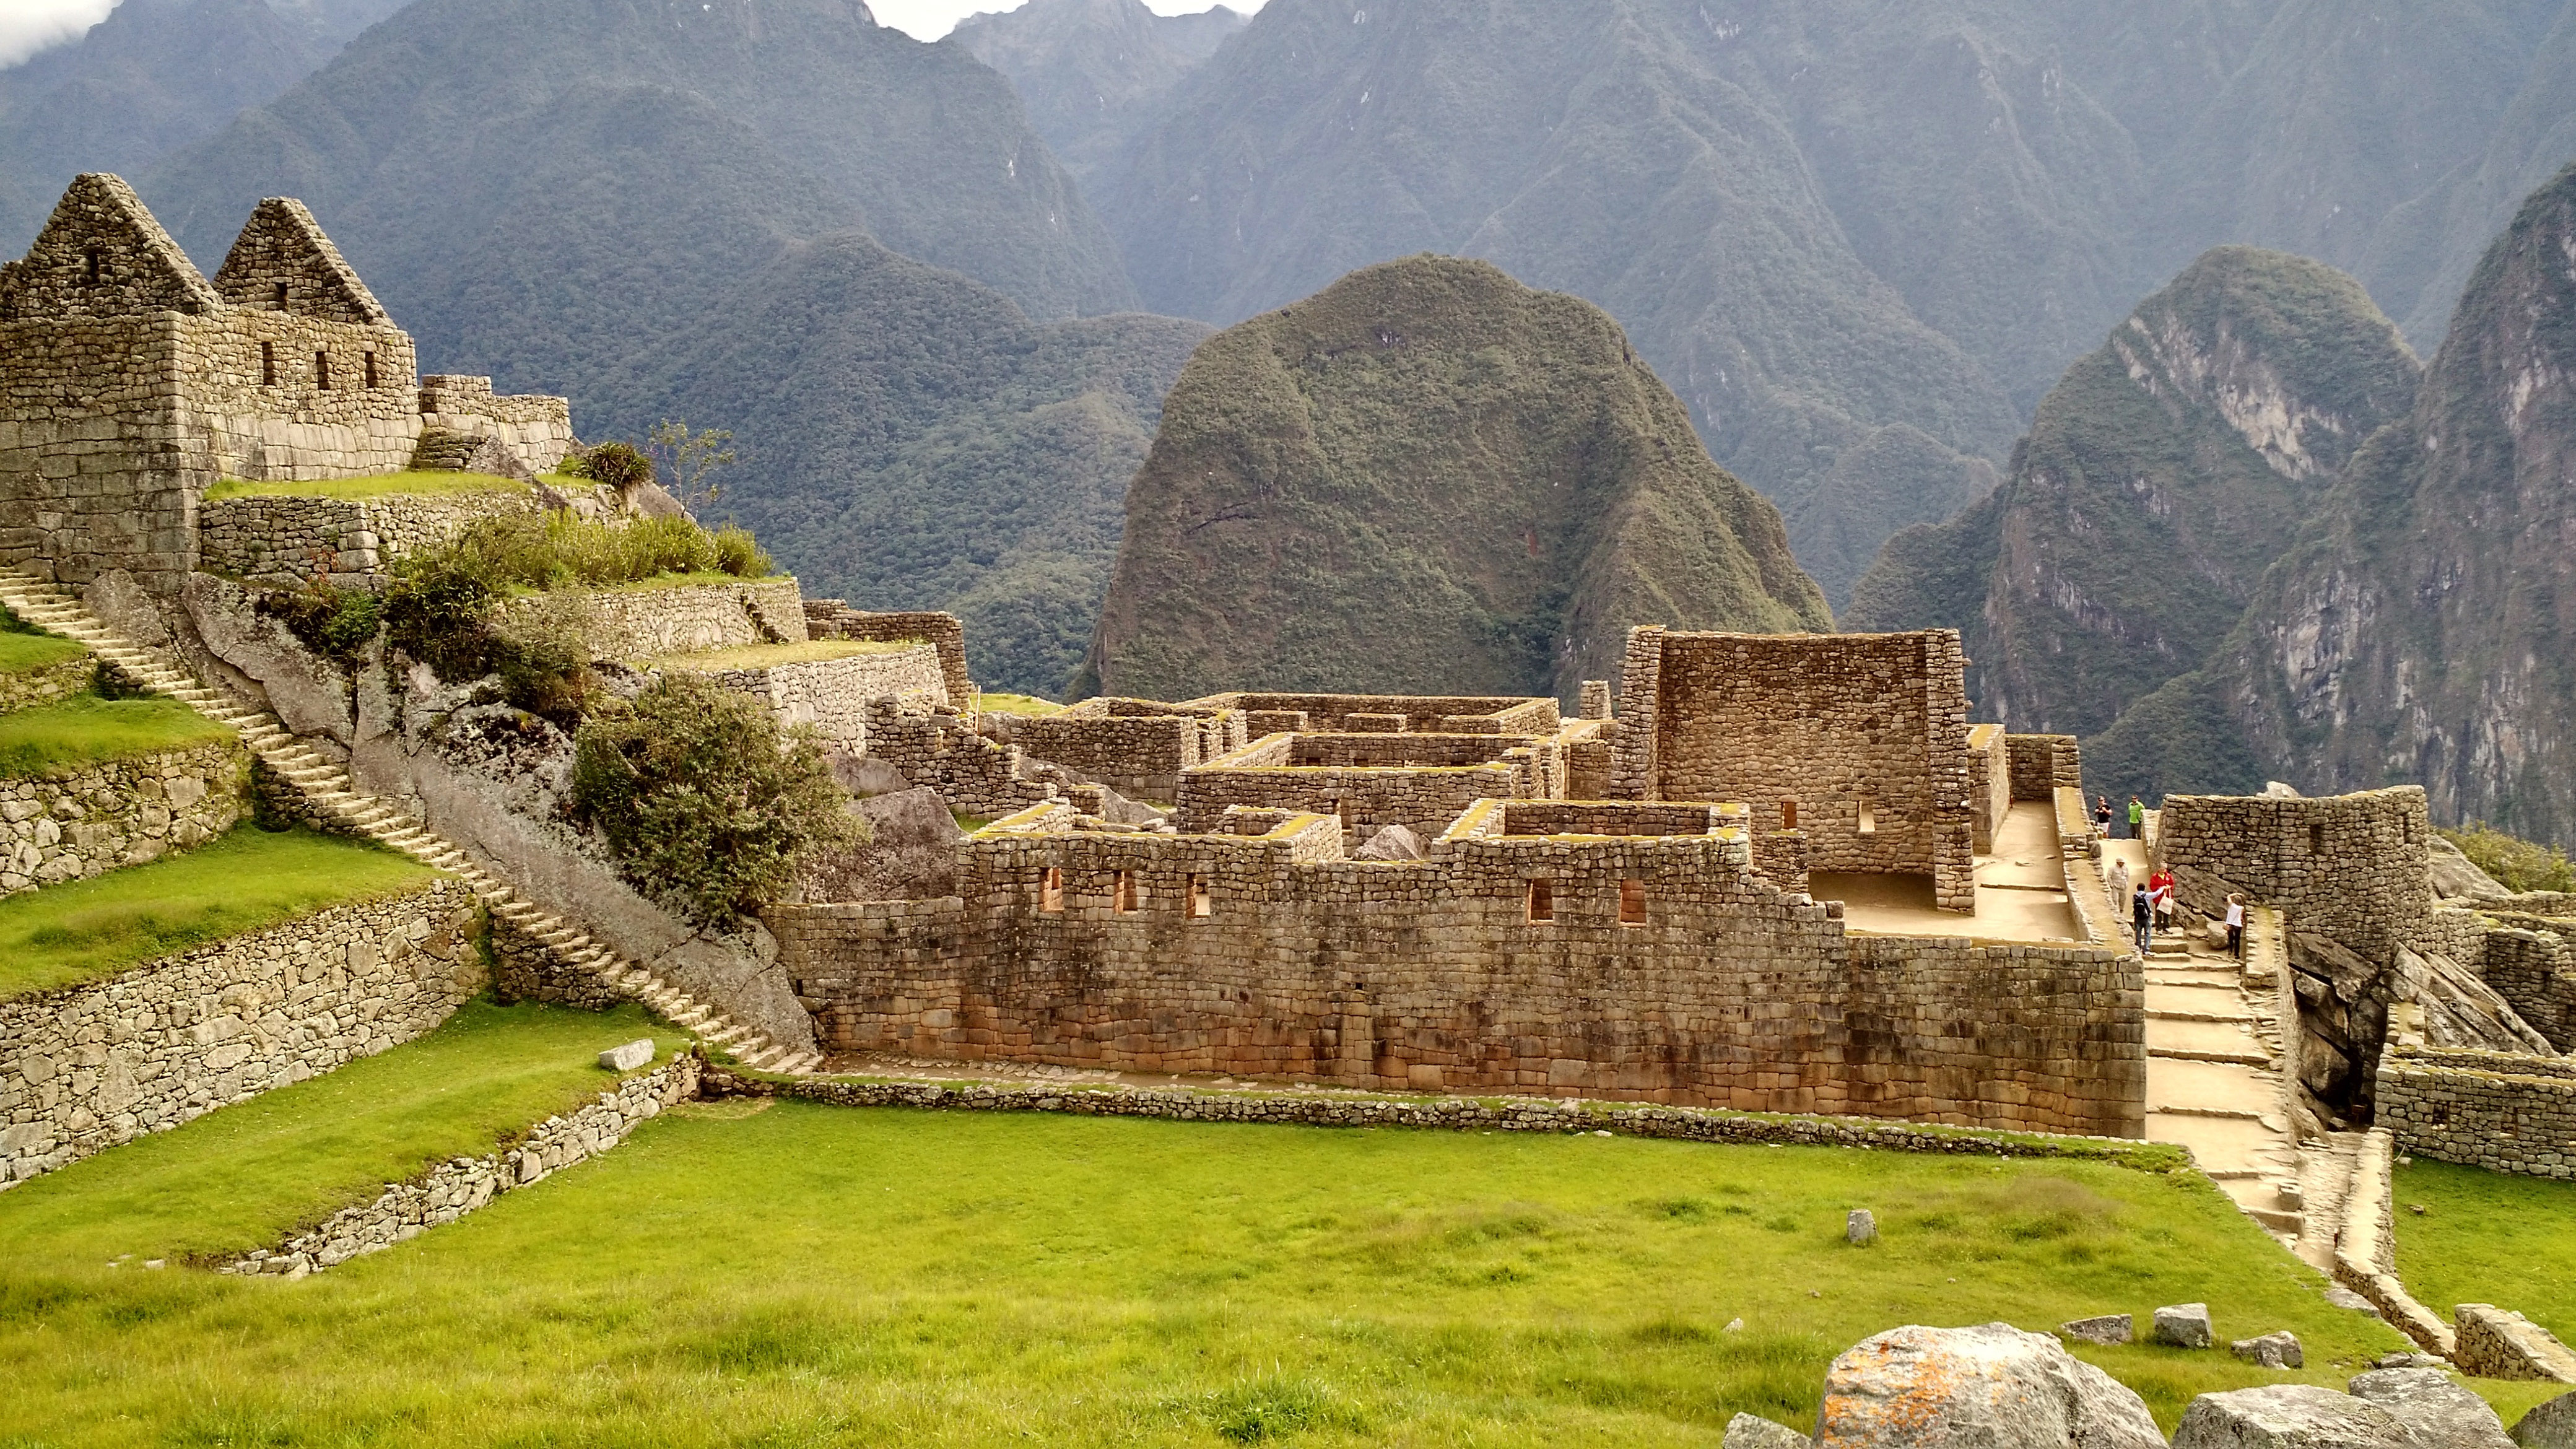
[
  {"x": 913, "y": 440},
  {"x": 1091, "y": 71},
  {"x": 2424, "y": 628},
  {"x": 2160, "y": 478},
  {"x": 1427, "y": 477}
]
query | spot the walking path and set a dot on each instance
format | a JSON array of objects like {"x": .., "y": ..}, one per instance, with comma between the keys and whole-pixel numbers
[{"x": 328, "y": 789}]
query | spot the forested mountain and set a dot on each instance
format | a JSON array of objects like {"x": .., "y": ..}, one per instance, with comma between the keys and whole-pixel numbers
[
  {"x": 1092, "y": 71},
  {"x": 2424, "y": 627},
  {"x": 1841, "y": 229},
  {"x": 154, "y": 76},
  {"x": 2162, "y": 475},
  {"x": 1427, "y": 477}
]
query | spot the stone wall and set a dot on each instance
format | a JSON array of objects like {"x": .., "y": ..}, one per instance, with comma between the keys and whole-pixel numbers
[
  {"x": 654, "y": 622},
  {"x": 2354, "y": 868},
  {"x": 2041, "y": 765},
  {"x": 283, "y": 539},
  {"x": 535, "y": 427},
  {"x": 1424, "y": 798},
  {"x": 933, "y": 746},
  {"x": 2496, "y": 1110},
  {"x": 1136, "y": 747},
  {"x": 84, "y": 1068},
  {"x": 1655, "y": 969},
  {"x": 1989, "y": 784},
  {"x": 460, "y": 1185},
  {"x": 74, "y": 823},
  {"x": 833, "y": 695},
  {"x": 46, "y": 684},
  {"x": 1419, "y": 713},
  {"x": 1859, "y": 740},
  {"x": 833, "y": 619},
  {"x": 2531, "y": 963}
]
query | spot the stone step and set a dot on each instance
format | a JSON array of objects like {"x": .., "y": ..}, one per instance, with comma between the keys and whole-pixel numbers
[{"x": 2224, "y": 1058}]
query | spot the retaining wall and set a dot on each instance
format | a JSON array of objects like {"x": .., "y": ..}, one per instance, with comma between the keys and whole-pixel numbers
[
  {"x": 86, "y": 1067},
  {"x": 833, "y": 619},
  {"x": 46, "y": 684},
  {"x": 833, "y": 695},
  {"x": 654, "y": 623},
  {"x": 284, "y": 539},
  {"x": 2496, "y": 1110},
  {"x": 85, "y": 821}
]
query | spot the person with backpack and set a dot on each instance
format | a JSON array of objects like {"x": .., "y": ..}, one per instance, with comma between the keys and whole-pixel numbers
[{"x": 2142, "y": 918}]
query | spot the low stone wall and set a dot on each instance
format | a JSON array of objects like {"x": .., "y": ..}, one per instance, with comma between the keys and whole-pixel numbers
[
  {"x": 976, "y": 776},
  {"x": 2497, "y": 1343},
  {"x": 454, "y": 1188},
  {"x": 1990, "y": 793},
  {"x": 2531, "y": 963},
  {"x": 536, "y": 427},
  {"x": 833, "y": 695},
  {"x": 833, "y": 619},
  {"x": 86, "y": 1067},
  {"x": 86, "y": 821},
  {"x": 2495, "y": 1110},
  {"x": 654, "y": 623},
  {"x": 2365, "y": 1250},
  {"x": 284, "y": 539},
  {"x": 46, "y": 684},
  {"x": 2038, "y": 766},
  {"x": 1137, "y": 747}
]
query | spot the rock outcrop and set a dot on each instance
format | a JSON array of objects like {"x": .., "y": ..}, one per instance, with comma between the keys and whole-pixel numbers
[{"x": 1990, "y": 1385}]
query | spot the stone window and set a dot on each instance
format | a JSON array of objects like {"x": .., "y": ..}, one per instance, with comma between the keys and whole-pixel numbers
[
  {"x": 1122, "y": 892},
  {"x": 370, "y": 359},
  {"x": 268, "y": 364},
  {"x": 1868, "y": 817},
  {"x": 281, "y": 296},
  {"x": 1542, "y": 901},
  {"x": 1202, "y": 905},
  {"x": 1632, "y": 903},
  {"x": 1051, "y": 890},
  {"x": 2317, "y": 839},
  {"x": 93, "y": 267},
  {"x": 322, "y": 370},
  {"x": 1789, "y": 814}
]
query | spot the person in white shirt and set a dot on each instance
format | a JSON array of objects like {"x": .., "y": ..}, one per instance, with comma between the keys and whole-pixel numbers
[{"x": 2236, "y": 927}]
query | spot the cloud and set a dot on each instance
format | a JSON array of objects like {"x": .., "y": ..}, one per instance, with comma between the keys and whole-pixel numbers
[
  {"x": 931, "y": 19},
  {"x": 28, "y": 26}
]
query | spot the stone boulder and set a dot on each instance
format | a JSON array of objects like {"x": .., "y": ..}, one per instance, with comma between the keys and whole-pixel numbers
[
  {"x": 628, "y": 1057},
  {"x": 910, "y": 853},
  {"x": 2272, "y": 1350},
  {"x": 2456, "y": 877},
  {"x": 1860, "y": 1228},
  {"x": 2551, "y": 1426},
  {"x": 1752, "y": 1431},
  {"x": 2435, "y": 1406},
  {"x": 1993, "y": 1386},
  {"x": 2185, "y": 1325},
  {"x": 2107, "y": 1328},
  {"x": 1391, "y": 842},
  {"x": 2290, "y": 1416}
]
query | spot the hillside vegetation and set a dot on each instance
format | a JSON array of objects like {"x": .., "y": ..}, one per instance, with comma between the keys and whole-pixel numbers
[
  {"x": 1427, "y": 478},
  {"x": 1092, "y": 71}
]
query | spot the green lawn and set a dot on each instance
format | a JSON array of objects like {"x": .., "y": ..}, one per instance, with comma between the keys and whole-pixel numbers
[
  {"x": 24, "y": 653},
  {"x": 808, "y": 1275},
  {"x": 2488, "y": 1237},
  {"x": 246, "y": 881},
  {"x": 1027, "y": 704},
  {"x": 424, "y": 484},
  {"x": 248, "y": 1175},
  {"x": 87, "y": 730}
]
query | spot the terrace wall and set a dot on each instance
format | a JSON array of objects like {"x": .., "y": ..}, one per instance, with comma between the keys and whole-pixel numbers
[
  {"x": 47, "y": 684},
  {"x": 281, "y": 539},
  {"x": 87, "y": 1067},
  {"x": 653, "y": 622},
  {"x": 2496, "y": 1110},
  {"x": 833, "y": 619},
  {"x": 87, "y": 820},
  {"x": 833, "y": 695}
]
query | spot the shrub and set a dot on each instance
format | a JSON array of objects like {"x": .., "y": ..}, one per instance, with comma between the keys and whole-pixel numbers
[
  {"x": 707, "y": 804},
  {"x": 337, "y": 624},
  {"x": 619, "y": 465},
  {"x": 2517, "y": 864}
]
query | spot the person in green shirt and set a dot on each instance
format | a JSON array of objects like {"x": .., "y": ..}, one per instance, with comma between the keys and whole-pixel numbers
[{"x": 2137, "y": 818}]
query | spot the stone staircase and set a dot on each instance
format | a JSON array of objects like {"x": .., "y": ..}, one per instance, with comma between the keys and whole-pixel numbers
[
  {"x": 332, "y": 795},
  {"x": 2213, "y": 1078}
]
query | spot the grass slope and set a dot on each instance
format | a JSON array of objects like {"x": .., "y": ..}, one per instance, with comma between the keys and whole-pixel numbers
[
  {"x": 810, "y": 1275},
  {"x": 27, "y": 652},
  {"x": 247, "y": 881},
  {"x": 246, "y": 1176},
  {"x": 417, "y": 484},
  {"x": 2488, "y": 1237},
  {"x": 88, "y": 730}
]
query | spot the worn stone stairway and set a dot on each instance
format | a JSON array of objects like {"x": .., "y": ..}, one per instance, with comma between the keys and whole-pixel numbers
[{"x": 330, "y": 792}]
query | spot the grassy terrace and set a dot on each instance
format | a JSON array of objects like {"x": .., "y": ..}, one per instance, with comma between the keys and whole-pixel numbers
[
  {"x": 383, "y": 485},
  {"x": 24, "y": 653},
  {"x": 87, "y": 730},
  {"x": 2488, "y": 1237},
  {"x": 247, "y": 881},
  {"x": 806, "y": 1275},
  {"x": 765, "y": 656},
  {"x": 1027, "y": 704}
]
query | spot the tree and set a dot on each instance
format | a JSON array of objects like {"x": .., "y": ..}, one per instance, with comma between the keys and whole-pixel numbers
[
  {"x": 690, "y": 460},
  {"x": 707, "y": 803}
]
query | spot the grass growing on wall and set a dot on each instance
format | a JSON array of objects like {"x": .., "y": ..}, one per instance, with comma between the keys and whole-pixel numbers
[
  {"x": 2488, "y": 1237},
  {"x": 806, "y": 1275},
  {"x": 88, "y": 730},
  {"x": 246, "y": 881},
  {"x": 249, "y": 1174},
  {"x": 383, "y": 485}
]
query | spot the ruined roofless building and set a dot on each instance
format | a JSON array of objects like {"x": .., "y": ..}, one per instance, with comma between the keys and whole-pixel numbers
[{"x": 130, "y": 384}]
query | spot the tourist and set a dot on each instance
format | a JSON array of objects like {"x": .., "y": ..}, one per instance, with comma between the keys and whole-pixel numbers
[
  {"x": 2102, "y": 816},
  {"x": 2142, "y": 917},
  {"x": 2236, "y": 927},
  {"x": 2160, "y": 890},
  {"x": 2119, "y": 872},
  {"x": 2137, "y": 818}
]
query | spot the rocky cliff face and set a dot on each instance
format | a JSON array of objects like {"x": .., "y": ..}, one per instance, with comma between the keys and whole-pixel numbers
[
  {"x": 2160, "y": 478},
  {"x": 1091, "y": 71},
  {"x": 2425, "y": 629},
  {"x": 1428, "y": 478}
]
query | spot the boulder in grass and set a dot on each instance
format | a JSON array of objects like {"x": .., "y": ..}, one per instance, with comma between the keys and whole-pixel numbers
[
  {"x": 2436, "y": 1406},
  {"x": 2272, "y": 1350},
  {"x": 2185, "y": 1325},
  {"x": 628, "y": 1057},
  {"x": 1752, "y": 1431},
  {"x": 2551, "y": 1426},
  {"x": 1992, "y": 1386},
  {"x": 2106, "y": 1328},
  {"x": 1860, "y": 1229},
  {"x": 2290, "y": 1416}
]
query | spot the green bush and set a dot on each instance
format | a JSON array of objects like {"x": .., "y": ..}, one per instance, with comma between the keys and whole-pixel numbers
[
  {"x": 2517, "y": 864},
  {"x": 707, "y": 804},
  {"x": 619, "y": 465},
  {"x": 337, "y": 624}
]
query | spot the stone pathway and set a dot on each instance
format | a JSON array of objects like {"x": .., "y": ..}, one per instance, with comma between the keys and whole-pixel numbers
[{"x": 334, "y": 796}]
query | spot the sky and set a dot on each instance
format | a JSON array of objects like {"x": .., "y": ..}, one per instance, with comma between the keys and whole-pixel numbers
[
  {"x": 28, "y": 26},
  {"x": 931, "y": 19}
]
